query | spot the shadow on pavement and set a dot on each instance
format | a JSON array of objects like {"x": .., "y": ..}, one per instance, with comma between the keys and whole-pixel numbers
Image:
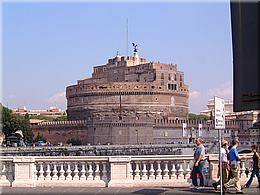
[
  {"x": 149, "y": 191},
  {"x": 201, "y": 191}
]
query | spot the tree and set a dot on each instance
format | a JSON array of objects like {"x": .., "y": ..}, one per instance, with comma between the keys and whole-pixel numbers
[
  {"x": 12, "y": 122},
  {"x": 192, "y": 116},
  {"x": 61, "y": 118},
  {"x": 40, "y": 138},
  {"x": 74, "y": 141}
]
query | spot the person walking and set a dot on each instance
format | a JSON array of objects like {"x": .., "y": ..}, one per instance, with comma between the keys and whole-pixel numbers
[
  {"x": 199, "y": 158},
  {"x": 234, "y": 168},
  {"x": 255, "y": 171},
  {"x": 224, "y": 163}
]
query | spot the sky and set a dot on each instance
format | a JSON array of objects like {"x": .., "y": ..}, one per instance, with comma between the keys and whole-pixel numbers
[{"x": 48, "y": 46}]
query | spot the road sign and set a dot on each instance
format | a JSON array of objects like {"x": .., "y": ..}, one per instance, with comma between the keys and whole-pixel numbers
[
  {"x": 219, "y": 113},
  {"x": 219, "y": 124}
]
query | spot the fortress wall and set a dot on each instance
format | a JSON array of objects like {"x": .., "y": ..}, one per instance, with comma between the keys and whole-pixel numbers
[
  {"x": 129, "y": 130},
  {"x": 55, "y": 135}
]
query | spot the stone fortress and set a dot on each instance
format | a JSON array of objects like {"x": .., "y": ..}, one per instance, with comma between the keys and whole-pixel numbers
[
  {"x": 129, "y": 86},
  {"x": 129, "y": 91},
  {"x": 128, "y": 101}
]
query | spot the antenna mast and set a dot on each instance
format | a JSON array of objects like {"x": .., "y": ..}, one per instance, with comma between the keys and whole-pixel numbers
[{"x": 126, "y": 36}]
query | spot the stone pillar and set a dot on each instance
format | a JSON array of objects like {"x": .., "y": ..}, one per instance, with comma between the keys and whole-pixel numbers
[
  {"x": 213, "y": 168},
  {"x": 23, "y": 171},
  {"x": 120, "y": 172}
]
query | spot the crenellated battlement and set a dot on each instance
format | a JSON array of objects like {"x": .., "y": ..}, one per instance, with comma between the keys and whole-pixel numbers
[
  {"x": 191, "y": 123},
  {"x": 63, "y": 123},
  {"x": 137, "y": 122}
]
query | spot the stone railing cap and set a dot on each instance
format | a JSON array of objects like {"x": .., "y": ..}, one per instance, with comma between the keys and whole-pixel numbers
[{"x": 119, "y": 159}]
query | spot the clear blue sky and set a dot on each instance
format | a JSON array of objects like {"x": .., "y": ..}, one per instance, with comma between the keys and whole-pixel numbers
[{"x": 48, "y": 46}]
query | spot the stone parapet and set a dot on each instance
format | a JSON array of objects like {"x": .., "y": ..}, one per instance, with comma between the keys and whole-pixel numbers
[{"x": 127, "y": 171}]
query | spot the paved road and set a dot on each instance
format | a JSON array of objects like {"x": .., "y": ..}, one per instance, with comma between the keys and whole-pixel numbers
[{"x": 116, "y": 191}]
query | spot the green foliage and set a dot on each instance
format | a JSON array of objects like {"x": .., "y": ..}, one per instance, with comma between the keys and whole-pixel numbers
[
  {"x": 74, "y": 141},
  {"x": 40, "y": 138},
  {"x": 49, "y": 118},
  {"x": 61, "y": 118},
  {"x": 192, "y": 116},
  {"x": 42, "y": 117},
  {"x": 13, "y": 122}
]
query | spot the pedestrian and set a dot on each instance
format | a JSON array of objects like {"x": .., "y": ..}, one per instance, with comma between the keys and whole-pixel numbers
[
  {"x": 224, "y": 163},
  {"x": 234, "y": 168},
  {"x": 199, "y": 160},
  {"x": 255, "y": 171}
]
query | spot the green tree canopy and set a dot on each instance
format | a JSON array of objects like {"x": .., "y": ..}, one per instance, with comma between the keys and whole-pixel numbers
[
  {"x": 74, "y": 141},
  {"x": 193, "y": 116},
  {"x": 12, "y": 122},
  {"x": 40, "y": 137}
]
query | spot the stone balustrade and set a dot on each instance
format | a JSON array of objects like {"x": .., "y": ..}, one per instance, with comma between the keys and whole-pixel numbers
[{"x": 107, "y": 171}]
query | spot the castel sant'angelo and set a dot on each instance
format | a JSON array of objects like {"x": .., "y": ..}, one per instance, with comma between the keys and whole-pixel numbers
[
  {"x": 128, "y": 100},
  {"x": 125, "y": 96}
]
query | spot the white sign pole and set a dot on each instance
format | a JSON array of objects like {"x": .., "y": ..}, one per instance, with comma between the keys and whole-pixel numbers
[{"x": 219, "y": 125}]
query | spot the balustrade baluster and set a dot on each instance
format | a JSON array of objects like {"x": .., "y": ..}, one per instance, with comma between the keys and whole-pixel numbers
[
  {"x": 131, "y": 172},
  {"x": 187, "y": 175},
  {"x": 104, "y": 171},
  {"x": 35, "y": 172},
  {"x": 41, "y": 172},
  {"x": 243, "y": 171},
  {"x": 137, "y": 171},
  {"x": 69, "y": 177},
  {"x": 62, "y": 172},
  {"x": 97, "y": 171},
  {"x": 166, "y": 171},
  {"x": 48, "y": 172},
  {"x": 173, "y": 171},
  {"x": 151, "y": 171},
  {"x": 144, "y": 171},
  {"x": 76, "y": 172},
  {"x": 159, "y": 171},
  {"x": 83, "y": 171},
  {"x": 55, "y": 171},
  {"x": 180, "y": 172},
  {"x": 90, "y": 172},
  {"x": 3, "y": 171}
]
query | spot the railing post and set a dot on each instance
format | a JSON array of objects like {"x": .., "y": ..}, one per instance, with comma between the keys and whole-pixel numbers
[
  {"x": 243, "y": 172},
  {"x": 83, "y": 172},
  {"x": 144, "y": 171},
  {"x": 166, "y": 171},
  {"x": 24, "y": 172},
  {"x": 173, "y": 171},
  {"x": 159, "y": 171},
  {"x": 120, "y": 171},
  {"x": 213, "y": 168},
  {"x": 4, "y": 180}
]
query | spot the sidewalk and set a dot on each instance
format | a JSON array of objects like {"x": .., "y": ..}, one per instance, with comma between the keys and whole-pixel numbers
[{"x": 116, "y": 191}]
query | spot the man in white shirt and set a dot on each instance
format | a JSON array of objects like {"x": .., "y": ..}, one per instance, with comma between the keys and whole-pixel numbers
[{"x": 225, "y": 166}]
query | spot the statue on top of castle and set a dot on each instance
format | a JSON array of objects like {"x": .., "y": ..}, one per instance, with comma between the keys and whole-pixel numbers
[{"x": 135, "y": 47}]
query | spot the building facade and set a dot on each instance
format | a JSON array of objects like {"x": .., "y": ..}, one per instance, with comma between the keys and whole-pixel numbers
[{"x": 247, "y": 132}]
